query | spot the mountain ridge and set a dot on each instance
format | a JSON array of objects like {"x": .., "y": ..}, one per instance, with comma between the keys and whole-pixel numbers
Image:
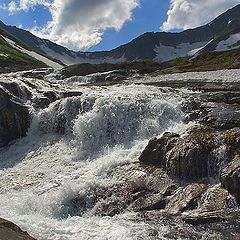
[{"x": 156, "y": 46}]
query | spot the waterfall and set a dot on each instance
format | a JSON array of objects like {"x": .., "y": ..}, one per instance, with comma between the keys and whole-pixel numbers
[{"x": 75, "y": 147}]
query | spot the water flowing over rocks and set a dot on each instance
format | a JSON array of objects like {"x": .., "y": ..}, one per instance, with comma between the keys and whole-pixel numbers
[{"x": 77, "y": 172}]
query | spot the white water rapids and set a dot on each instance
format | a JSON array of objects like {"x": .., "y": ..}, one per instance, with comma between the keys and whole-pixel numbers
[{"x": 104, "y": 130}]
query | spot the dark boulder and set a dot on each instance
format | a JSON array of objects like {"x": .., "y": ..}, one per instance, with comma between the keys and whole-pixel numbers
[
  {"x": 10, "y": 231},
  {"x": 155, "y": 152},
  {"x": 189, "y": 157},
  {"x": 14, "y": 118},
  {"x": 230, "y": 178},
  {"x": 41, "y": 102}
]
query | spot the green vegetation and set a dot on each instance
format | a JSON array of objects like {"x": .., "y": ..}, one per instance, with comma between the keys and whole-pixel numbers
[
  {"x": 230, "y": 137},
  {"x": 13, "y": 60},
  {"x": 180, "y": 61},
  {"x": 203, "y": 135}
]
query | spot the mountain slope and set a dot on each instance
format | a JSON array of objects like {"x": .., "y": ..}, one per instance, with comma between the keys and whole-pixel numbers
[
  {"x": 11, "y": 42},
  {"x": 227, "y": 39},
  {"x": 159, "y": 46},
  {"x": 12, "y": 59}
]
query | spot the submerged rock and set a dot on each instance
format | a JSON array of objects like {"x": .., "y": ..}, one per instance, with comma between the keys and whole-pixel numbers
[
  {"x": 10, "y": 231},
  {"x": 189, "y": 157},
  {"x": 14, "y": 118}
]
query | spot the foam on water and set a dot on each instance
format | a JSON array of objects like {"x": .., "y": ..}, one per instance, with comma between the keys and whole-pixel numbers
[{"x": 74, "y": 147}]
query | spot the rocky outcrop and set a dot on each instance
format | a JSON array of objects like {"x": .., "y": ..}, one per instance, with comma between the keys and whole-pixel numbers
[
  {"x": 10, "y": 231},
  {"x": 185, "y": 198},
  {"x": 16, "y": 90},
  {"x": 230, "y": 178},
  {"x": 139, "y": 193},
  {"x": 14, "y": 118},
  {"x": 189, "y": 157}
]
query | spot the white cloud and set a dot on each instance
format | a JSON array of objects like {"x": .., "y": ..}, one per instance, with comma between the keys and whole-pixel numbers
[
  {"x": 79, "y": 24},
  {"x": 12, "y": 7},
  {"x": 184, "y": 14}
]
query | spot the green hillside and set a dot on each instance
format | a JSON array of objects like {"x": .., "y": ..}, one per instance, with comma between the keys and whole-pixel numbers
[{"x": 12, "y": 59}]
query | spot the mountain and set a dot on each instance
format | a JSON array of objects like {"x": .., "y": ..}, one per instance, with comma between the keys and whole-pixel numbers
[
  {"x": 227, "y": 39},
  {"x": 12, "y": 57},
  {"x": 15, "y": 55},
  {"x": 223, "y": 33}
]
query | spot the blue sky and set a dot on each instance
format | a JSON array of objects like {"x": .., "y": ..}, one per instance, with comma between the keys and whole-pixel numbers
[
  {"x": 106, "y": 24},
  {"x": 146, "y": 18}
]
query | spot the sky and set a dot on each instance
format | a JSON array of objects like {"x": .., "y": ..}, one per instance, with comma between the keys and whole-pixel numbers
[{"x": 95, "y": 25}]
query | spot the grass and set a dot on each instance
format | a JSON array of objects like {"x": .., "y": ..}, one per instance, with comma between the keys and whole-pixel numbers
[
  {"x": 230, "y": 137},
  {"x": 14, "y": 60}
]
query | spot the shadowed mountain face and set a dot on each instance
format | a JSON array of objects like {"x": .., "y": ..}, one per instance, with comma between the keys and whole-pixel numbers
[{"x": 222, "y": 34}]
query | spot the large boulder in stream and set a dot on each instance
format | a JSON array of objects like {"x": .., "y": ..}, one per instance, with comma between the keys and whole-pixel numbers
[
  {"x": 14, "y": 118},
  {"x": 10, "y": 231},
  {"x": 189, "y": 157}
]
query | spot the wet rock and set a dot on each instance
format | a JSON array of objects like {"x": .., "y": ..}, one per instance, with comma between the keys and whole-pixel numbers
[
  {"x": 116, "y": 199},
  {"x": 14, "y": 118},
  {"x": 188, "y": 157},
  {"x": 41, "y": 102},
  {"x": 44, "y": 99},
  {"x": 149, "y": 202},
  {"x": 230, "y": 178},
  {"x": 216, "y": 198},
  {"x": 16, "y": 90},
  {"x": 222, "y": 118},
  {"x": 145, "y": 189},
  {"x": 10, "y": 231},
  {"x": 224, "y": 221},
  {"x": 155, "y": 152},
  {"x": 185, "y": 198},
  {"x": 204, "y": 218},
  {"x": 191, "y": 104},
  {"x": 160, "y": 182},
  {"x": 229, "y": 97},
  {"x": 51, "y": 95},
  {"x": 71, "y": 94}
]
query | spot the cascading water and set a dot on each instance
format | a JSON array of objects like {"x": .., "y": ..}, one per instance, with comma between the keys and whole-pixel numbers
[{"x": 75, "y": 146}]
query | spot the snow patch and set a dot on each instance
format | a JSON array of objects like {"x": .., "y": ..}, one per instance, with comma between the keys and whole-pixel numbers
[
  {"x": 74, "y": 58},
  {"x": 229, "y": 44},
  {"x": 167, "y": 53},
  {"x": 4, "y": 55}
]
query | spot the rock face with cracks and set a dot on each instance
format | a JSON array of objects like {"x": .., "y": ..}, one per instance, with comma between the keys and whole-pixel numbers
[
  {"x": 14, "y": 118},
  {"x": 188, "y": 157},
  {"x": 230, "y": 178}
]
